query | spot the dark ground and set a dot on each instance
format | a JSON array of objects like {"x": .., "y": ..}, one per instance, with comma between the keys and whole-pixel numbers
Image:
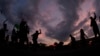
[{"x": 83, "y": 51}]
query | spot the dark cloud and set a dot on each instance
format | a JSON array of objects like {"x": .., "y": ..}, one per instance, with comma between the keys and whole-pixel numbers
[
  {"x": 82, "y": 23},
  {"x": 69, "y": 8},
  {"x": 97, "y": 4},
  {"x": 15, "y": 10}
]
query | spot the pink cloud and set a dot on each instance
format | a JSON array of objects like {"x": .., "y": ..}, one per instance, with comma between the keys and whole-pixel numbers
[{"x": 84, "y": 13}]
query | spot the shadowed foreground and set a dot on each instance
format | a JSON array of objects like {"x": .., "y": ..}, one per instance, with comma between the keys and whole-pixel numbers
[{"x": 65, "y": 50}]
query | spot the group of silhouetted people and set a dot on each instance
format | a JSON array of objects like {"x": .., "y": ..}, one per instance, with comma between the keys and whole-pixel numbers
[
  {"x": 20, "y": 34},
  {"x": 83, "y": 36}
]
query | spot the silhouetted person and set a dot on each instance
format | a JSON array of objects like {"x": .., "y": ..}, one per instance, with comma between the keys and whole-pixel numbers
[
  {"x": 82, "y": 38},
  {"x": 3, "y": 33},
  {"x": 55, "y": 45},
  {"x": 73, "y": 41},
  {"x": 94, "y": 25},
  {"x": 7, "y": 39},
  {"x": 35, "y": 36},
  {"x": 14, "y": 36},
  {"x": 23, "y": 31},
  {"x": 60, "y": 45}
]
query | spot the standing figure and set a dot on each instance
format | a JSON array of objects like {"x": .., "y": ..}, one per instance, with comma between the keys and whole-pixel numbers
[
  {"x": 3, "y": 33},
  {"x": 94, "y": 26},
  {"x": 82, "y": 38},
  {"x": 73, "y": 41},
  {"x": 23, "y": 32},
  {"x": 14, "y": 36},
  {"x": 35, "y": 36}
]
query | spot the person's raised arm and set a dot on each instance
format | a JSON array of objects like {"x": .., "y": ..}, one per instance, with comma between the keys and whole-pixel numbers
[{"x": 40, "y": 31}]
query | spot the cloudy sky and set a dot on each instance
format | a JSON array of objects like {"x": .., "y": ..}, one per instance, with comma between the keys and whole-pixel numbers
[{"x": 56, "y": 18}]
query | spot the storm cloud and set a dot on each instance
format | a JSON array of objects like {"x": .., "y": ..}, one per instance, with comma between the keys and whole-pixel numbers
[{"x": 68, "y": 9}]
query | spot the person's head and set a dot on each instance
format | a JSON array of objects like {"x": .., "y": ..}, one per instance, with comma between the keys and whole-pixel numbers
[
  {"x": 55, "y": 43},
  {"x": 13, "y": 29},
  {"x": 23, "y": 22},
  {"x": 70, "y": 35},
  {"x": 36, "y": 31},
  {"x": 81, "y": 30},
  {"x": 61, "y": 43},
  {"x": 4, "y": 26}
]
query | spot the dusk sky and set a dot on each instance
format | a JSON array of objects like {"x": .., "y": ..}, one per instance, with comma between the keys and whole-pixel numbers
[{"x": 56, "y": 18}]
